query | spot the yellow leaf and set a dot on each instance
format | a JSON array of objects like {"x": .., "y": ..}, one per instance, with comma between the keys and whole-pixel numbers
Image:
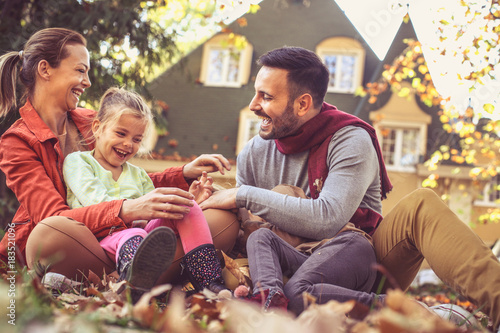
[
  {"x": 474, "y": 172},
  {"x": 429, "y": 183},
  {"x": 423, "y": 69},
  {"x": 253, "y": 9},
  {"x": 469, "y": 140},
  {"x": 404, "y": 92},
  {"x": 489, "y": 108},
  {"x": 360, "y": 91},
  {"x": 470, "y": 159}
]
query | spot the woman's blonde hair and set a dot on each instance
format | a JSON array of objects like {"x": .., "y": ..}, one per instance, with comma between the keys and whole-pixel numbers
[
  {"x": 47, "y": 44},
  {"x": 117, "y": 102}
]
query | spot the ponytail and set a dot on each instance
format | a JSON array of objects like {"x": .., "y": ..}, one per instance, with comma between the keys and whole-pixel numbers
[{"x": 8, "y": 79}]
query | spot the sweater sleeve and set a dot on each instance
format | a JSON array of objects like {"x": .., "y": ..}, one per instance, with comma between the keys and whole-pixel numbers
[
  {"x": 353, "y": 168},
  {"x": 28, "y": 178}
]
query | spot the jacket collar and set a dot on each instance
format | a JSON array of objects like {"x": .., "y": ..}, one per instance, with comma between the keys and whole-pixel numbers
[
  {"x": 81, "y": 117},
  {"x": 35, "y": 124}
]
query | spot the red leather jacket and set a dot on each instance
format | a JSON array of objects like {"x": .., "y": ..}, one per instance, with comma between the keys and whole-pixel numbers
[{"x": 32, "y": 160}]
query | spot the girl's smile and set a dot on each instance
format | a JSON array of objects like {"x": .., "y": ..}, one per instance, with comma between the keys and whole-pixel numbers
[{"x": 118, "y": 142}]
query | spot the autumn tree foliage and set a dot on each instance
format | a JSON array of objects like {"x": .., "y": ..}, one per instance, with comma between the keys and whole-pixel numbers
[
  {"x": 129, "y": 41},
  {"x": 122, "y": 41},
  {"x": 477, "y": 128}
]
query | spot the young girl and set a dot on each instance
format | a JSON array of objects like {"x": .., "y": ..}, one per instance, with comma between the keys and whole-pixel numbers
[{"x": 104, "y": 174}]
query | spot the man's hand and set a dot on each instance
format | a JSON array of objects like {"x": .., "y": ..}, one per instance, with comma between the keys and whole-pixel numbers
[
  {"x": 206, "y": 162},
  {"x": 223, "y": 199}
]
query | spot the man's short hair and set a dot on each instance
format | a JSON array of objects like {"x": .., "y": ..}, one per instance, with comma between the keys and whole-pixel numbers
[{"x": 306, "y": 71}]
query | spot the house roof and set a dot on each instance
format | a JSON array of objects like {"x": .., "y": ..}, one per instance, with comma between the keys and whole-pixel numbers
[{"x": 406, "y": 31}]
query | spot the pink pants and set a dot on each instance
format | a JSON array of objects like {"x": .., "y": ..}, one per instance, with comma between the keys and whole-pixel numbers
[{"x": 192, "y": 230}]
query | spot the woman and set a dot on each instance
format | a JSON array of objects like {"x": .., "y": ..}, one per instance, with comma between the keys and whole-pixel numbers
[{"x": 54, "y": 72}]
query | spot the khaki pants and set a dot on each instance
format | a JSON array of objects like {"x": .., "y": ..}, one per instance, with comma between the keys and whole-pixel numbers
[
  {"x": 422, "y": 226},
  {"x": 63, "y": 245}
]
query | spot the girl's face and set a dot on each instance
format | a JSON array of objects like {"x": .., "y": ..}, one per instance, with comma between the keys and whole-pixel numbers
[
  {"x": 118, "y": 142},
  {"x": 70, "y": 79}
]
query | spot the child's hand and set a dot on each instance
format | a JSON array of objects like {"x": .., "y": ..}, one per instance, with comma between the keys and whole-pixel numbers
[{"x": 202, "y": 189}]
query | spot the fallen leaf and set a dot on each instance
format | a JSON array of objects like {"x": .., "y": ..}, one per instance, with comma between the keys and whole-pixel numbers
[
  {"x": 145, "y": 312},
  {"x": 324, "y": 317},
  {"x": 237, "y": 271},
  {"x": 201, "y": 306},
  {"x": 95, "y": 280},
  {"x": 175, "y": 318}
]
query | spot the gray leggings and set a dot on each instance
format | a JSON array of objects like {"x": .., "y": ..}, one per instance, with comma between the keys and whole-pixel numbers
[{"x": 339, "y": 270}]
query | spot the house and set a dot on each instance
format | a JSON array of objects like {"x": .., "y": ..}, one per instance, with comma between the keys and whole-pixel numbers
[{"x": 208, "y": 93}]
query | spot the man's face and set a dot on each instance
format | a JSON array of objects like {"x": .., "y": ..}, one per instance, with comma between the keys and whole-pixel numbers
[{"x": 271, "y": 103}]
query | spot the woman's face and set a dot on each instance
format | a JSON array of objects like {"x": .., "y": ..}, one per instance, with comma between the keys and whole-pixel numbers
[{"x": 68, "y": 81}]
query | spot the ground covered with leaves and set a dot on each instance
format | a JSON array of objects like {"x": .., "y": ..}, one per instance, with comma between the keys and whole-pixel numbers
[{"x": 102, "y": 304}]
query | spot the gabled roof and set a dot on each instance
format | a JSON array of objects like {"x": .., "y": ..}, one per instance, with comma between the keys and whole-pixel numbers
[{"x": 406, "y": 31}]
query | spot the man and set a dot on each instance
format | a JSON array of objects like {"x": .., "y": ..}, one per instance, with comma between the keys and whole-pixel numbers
[{"x": 335, "y": 159}]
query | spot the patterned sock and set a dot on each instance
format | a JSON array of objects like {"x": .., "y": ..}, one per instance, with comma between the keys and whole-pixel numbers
[{"x": 126, "y": 254}]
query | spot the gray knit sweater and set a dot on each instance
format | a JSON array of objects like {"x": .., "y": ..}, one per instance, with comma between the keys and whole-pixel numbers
[{"x": 353, "y": 181}]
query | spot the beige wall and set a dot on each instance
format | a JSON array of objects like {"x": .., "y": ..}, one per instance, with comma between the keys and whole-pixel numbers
[
  {"x": 403, "y": 183},
  {"x": 490, "y": 232}
]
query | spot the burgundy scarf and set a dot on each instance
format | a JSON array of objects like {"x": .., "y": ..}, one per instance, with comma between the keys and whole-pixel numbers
[{"x": 315, "y": 135}]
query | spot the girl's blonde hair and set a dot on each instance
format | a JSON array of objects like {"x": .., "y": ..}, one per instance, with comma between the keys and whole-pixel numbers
[
  {"x": 117, "y": 102},
  {"x": 47, "y": 44}
]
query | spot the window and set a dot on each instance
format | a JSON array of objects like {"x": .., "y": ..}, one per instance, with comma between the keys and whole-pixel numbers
[
  {"x": 402, "y": 132},
  {"x": 344, "y": 58},
  {"x": 400, "y": 147},
  {"x": 249, "y": 126},
  {"x": 491, "y": 193},
  {"x": 225, "y": 65},
  {"x": 342, "y": 71}
]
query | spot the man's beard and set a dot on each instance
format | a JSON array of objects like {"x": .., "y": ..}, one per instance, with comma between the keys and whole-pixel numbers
[{"x": 283, "y": 126}]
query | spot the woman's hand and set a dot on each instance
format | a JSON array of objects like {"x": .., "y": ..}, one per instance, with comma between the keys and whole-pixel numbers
[
  {"x": 163, "y": 202},
  {"x": 206, "y": 162},
  {"x": 202, "y": 188}
]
